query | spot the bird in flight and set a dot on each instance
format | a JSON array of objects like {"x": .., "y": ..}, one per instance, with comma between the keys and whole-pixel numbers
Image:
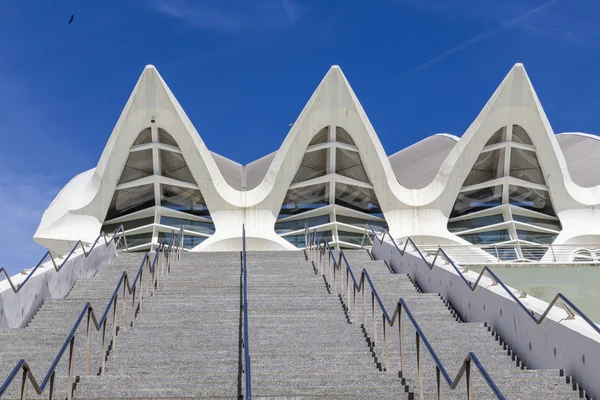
[{"x": 71, "y": 20}]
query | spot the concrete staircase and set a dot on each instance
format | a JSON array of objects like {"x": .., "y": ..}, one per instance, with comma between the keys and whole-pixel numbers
[
  {"x": 452, "y": 340},
  {"x": 301, "y": 343},
  {"x": 187, "y": 340},
  {"x": 186, "y": 343},
  {"x": 41, "y": 340}
]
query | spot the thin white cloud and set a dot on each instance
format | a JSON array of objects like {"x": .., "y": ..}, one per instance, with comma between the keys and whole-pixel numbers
[
  {"x": 200, "y": 15},
  {"x": 23, "y": 199},
  {"x": 481, "y": 37},
  {"x": 232, "y": 16},
  {"x": 293, "y": 10}
]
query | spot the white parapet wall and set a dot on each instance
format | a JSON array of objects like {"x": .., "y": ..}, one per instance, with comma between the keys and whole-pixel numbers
[
  {"x": 17, "y": 309},
  {"x": 556, "y": 343}
]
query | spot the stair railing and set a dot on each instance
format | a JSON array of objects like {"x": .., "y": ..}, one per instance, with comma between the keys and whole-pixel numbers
[
  {"x": 335, "y": 269},
  {"x": 171, "y": 252},
  {"x": 247, "y": 361},
  {"x": 116, "y": 236},
  {"x": 559, "y": 300}
]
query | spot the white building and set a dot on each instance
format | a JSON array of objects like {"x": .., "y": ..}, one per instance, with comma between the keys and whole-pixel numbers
[{"x": 508, "y": 179}]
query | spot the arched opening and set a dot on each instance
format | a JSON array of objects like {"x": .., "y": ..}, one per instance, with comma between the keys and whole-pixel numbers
[
  {"x": 505, "y": 200},
  {"x": 331, "y": 192},
  {"x": 156, "y": 194}
]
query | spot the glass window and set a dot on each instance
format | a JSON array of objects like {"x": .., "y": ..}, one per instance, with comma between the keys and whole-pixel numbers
[
  {"x": 196, "y": 226},
  {"x": 507, "y": 253},
  {"x": 144, "y": 137},
  {"x": 542, "y": 223},
  {"x": 489, "y": 166},
  {"x": 477, "y": 200},
  {"x": 361, "y": 223},
  {"x": 189, "y": 241},
  {"x": 342, "y": 136},
  {"x": 298, "y": 240},
  {"x": 172, "y": 165},
  {"x": 519, "y": 135},
  {"x": 533, "y": 252},
  {"x": 531, "y": 199},
  {"x": 139, "y": 239},
  {"x": 290, "y": 226},
  {"x": 524, "y": 165},
  {"x": 583, "y": 256},
  {"x": 127, "y": 225},
  {"x": 321, "y": 137},
  {"x": 357, "y": 198},
  {"x": 138, "y": 165},
  {"x": 498, "y": 137},
  {"x": 304, "y": 199},
  {"x": 127, "y": 201},
  {"x": 536, "y": 237},
  {"x": 458, "y": 226},
  {"x": 314, "y": 164},
  {"x": 350, "y": 237},
  {"x": 489, "y": 237},
  {"x": 166, "y": 138},
  {"x": 183, "y": 199},
  {"x": 347, "y": 163}
]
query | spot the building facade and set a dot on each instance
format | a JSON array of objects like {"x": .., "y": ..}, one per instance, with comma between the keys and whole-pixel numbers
[{"x": 509, "y": 179}]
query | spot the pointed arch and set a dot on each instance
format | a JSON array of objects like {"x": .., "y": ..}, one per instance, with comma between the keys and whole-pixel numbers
[
  {"x": 157, "y": 193},
  {"x": 331, "y": 192},
  {"x": 505, "y": 198}
]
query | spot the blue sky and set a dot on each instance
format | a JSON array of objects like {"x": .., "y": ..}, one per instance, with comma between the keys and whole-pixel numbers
[{"x": 244, "y": 69}]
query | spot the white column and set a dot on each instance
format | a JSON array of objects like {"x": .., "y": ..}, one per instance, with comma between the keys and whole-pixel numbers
[{"x": 156, "y": 169}]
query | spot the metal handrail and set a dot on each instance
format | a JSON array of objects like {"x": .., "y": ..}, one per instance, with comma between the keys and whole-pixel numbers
[
  {"x": 49, "y": 378},
  {"x": 323, "y": 247},
  {"x": 16, "y": 288},
  {"x": 247, "y": 362},
  {"x": 559, "y": 300}
]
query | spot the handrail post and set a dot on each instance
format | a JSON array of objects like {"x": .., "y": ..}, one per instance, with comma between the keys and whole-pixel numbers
[
  {"x": 133, "y": 307},
  {"x": 158, "y": 260},
  {"x": 140, "y": 283},
  {"x": 438, "y": 375},
  {"x": 330, "y": 270},
  {"x": 419, "y": 367},
  {"x": 470, "y": 392},
  {"x": 385, "y": 343},
  {"x": 88, "y": 342},
  {"x": 103, "y": 354},
  {"x": 364, "y": 302},
  {"x": 355, "y": 311},
  {"x": 373, "y": 317},
  {"x": 401, "y": 337},
  {"x": 124, "y": 306},
  {"x": 147, "y": 284},
  {"x": 70, "y": 374},
  {"x": 51, "y": 390},
  {"x": 24, "y": 385},
  {"x": 154, "y": 276},
  {"x": 321, "y": 259},
  {"x": 114, "y": 322},
  {"x": 340, "y": 273},
  {"x": 348, "y": 290},
  {"x": 553, "y": 254}
]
